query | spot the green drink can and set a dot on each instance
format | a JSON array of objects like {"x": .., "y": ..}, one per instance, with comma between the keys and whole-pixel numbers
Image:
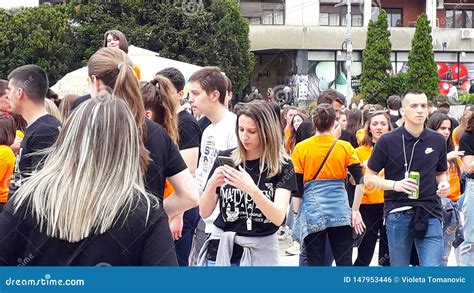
[{"x": 416, "y": 176}]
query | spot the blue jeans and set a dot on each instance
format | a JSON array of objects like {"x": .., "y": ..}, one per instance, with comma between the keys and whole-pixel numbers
[
  {"x": 467, "y": 247},
  {"x": 430, "y": 248}
]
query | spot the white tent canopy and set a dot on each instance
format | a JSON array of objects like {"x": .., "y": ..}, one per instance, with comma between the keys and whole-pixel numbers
[{"x": 149, "y": 62}]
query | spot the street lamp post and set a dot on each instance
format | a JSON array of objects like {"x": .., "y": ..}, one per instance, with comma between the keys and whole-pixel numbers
[{"x": 348, "y": 41}]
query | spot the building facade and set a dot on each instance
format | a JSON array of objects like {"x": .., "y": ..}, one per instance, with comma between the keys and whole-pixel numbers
[{"x": 301, "y": 43}]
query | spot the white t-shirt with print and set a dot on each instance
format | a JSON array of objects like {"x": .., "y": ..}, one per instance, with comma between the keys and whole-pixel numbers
[{"x": 216, "y": 137}]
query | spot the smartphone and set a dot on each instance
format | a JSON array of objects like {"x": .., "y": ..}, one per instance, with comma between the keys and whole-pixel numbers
[{"x": 226, "y": 161}]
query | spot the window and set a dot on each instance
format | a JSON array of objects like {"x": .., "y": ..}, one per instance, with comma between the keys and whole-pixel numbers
[
  {"x": 357, "y": 20},
  {"x": 395, "y": 17},
  {"x": 273, "y": 17},
  {"x": 267, "y": 12},
  {"x": 459, "y": 18},
  {"x": 254, "y": 20},
  {"x": 336, "y": 16}
]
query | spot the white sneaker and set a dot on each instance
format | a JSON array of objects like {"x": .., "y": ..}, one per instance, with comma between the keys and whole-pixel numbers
[{"x": 294, "y": 249}]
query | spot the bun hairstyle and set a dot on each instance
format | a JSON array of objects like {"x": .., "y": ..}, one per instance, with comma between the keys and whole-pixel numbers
[{"x": 324, "y": 117}]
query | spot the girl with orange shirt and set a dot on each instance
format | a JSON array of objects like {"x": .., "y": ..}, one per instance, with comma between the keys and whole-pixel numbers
[
  {"x": 7, "y": 158},
  {"x": 321, "y": 164},
  {"x": 378, "y": 123},
  {"x": 442, "y": 123}
]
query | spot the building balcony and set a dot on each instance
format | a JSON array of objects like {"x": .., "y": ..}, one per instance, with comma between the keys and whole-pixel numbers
[{"x": 263, "y": 38}]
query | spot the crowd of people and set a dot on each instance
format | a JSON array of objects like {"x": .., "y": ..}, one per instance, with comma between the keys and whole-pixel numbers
[{"x": 127, "y": 175}]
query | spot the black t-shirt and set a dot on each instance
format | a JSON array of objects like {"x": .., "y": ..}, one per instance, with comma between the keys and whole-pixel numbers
[
  {"x": 393, "y": 118},
  {"x": 130, "y": 242},
  {"x": 305, "y": 131},
  {"x": 233, "y": 204},
  {"x": 204, "y": 122},
  {"x": 429, "y": 157},
  {"x": 350, "y": 138},
  {"x": 40, "y": 135},
  {"x": 189, "y": 131},
  {"x": 166, "y": 159},
  {"x": 466, "y": 144}
]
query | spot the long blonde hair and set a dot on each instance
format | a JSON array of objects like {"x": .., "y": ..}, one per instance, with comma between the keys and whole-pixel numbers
[
  {"x": 113, "y": 67},
  {"x": 269, "y": 132},
  {"x": 158, "y": 97},
  {"x": 84, "y": 186}
]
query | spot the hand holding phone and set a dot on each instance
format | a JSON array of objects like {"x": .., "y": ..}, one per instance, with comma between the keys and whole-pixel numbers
[{"x": 226, "y": 161}]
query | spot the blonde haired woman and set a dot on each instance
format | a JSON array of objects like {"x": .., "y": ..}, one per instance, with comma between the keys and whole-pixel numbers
[
  {"x": 253, "y": 198},
  {"x": 88, "y": 206},
  {"x": 111, "y": 68}
]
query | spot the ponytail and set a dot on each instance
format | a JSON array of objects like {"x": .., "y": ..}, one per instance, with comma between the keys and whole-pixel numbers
[{"x": 115, "y": 70}]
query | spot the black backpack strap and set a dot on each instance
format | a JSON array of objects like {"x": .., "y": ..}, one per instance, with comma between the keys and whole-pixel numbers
[{"x": 325, "y": 159}]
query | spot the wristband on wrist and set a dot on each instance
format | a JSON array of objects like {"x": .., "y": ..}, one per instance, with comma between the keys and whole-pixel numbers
[{"x": 394, "y": 182}]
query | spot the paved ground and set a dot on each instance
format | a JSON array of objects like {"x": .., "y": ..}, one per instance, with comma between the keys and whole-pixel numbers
[{"x": 292, "y": 260}]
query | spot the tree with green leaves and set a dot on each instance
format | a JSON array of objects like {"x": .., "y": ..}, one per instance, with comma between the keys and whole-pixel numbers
[
  {"x": 422, "y": 69},
  {"x": 376, "y": 62},
  {"x": 39, "y": 36},
  {"x": 398, "y": 84},
  {"x": 62, "y": 38}
]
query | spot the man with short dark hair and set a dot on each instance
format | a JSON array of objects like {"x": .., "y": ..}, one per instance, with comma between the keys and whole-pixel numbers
[
  {"x": 204, "y": 122},
  {"x": 447, "y": 106},
  {"x": 331, "y": 97},
  {"x": 209, "y": 96},
  {"x": 27, "y": 87},
  {"x": 412, "y": 209},
  {"x": 394, "y": 103}
]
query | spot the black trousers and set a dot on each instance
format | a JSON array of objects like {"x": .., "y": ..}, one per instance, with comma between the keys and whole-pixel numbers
[
  {"x": 372, "y": 214},
  {"x": 340, "y": 240}
]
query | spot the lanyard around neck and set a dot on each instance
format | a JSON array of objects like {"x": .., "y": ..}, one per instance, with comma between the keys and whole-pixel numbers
[{"x": 408, "y": 165}]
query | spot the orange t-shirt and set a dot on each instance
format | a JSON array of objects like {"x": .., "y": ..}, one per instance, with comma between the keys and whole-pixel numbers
[
  {"x": 287, "y": 134},
  {"x": 454, "y": 182},
  {"x": 371, "y": 195},
  {"x": 360, "y": 135},
  {"x": 168, "y": 190},
  {"x": 309, "y": 154},
  {"x": 7, "y": 163},
  {"x": 456, "y": 138}
]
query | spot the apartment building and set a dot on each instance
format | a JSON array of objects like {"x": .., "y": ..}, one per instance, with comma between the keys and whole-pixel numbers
[{"x": 301, "y": 43}]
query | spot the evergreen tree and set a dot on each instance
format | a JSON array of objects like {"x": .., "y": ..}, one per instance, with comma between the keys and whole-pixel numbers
[
  {"x": 422, "y": 70},
  {"x": 376, "y": 62}
]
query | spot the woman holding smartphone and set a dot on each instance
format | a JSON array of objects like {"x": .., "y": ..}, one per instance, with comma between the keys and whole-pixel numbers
[{"x": 253, "y": 197}]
